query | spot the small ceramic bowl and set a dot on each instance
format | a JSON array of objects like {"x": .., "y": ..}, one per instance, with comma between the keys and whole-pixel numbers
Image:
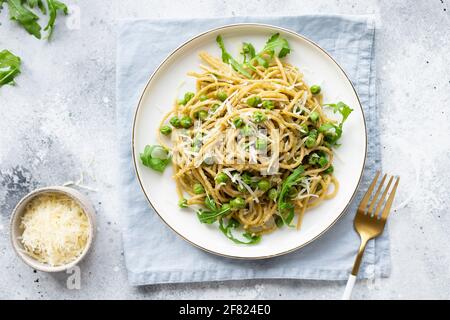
[{"x": 19, "y": 211}]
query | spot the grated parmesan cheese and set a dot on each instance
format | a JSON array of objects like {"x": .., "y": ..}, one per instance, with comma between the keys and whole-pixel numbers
[
  {"x": 236, "y": 178},
  {"x": 55, "y": 229}
]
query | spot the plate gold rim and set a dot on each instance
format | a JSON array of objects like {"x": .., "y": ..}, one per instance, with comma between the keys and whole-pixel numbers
[{"x": 234, "y": 25}]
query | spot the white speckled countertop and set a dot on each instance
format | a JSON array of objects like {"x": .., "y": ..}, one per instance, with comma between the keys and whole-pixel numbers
[{"x": 58, "y": 124}]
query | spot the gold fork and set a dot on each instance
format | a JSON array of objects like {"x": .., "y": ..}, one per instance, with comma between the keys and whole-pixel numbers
[{"x": 368, "y": 222}]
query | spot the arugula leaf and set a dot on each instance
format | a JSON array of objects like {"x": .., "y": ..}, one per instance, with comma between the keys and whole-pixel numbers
[
  {"x": 155, "y": 157},
  {"x": 227, "y": 58},
  {"x": 25, "y": 17},
  {"x": 215, "y": 213},
  {"x": 332, "y": 131},
  {"x": 210, "y": 203},
  {"x": 37, "y": 3},
  {"x": 210, "y": 216},
  {"x": 53, "y": 7},
  {"x": 232, "y": 224},
  {"x": 9, "y": 67},
  {"x": 342, "y": 108},
  {"x": 285, "y": 208},
  {"x": 248, "y": 51},
  {"x": 276, "y": 45}
]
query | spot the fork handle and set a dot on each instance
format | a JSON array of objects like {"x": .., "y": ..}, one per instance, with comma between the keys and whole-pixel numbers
[
  {"x": 352, "y": 278},
  {"x": 349, "y": 287}
]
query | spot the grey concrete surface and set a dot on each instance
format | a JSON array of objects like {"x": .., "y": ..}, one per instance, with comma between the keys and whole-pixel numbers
[{"x": 57, "y": 123}]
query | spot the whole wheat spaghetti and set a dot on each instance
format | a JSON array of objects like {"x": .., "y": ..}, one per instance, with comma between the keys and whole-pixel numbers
[{"x": 251, "y": 148}]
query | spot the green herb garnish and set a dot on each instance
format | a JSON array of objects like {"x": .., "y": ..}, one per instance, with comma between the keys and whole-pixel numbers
[
  {"x": 285, "y": 207},
  {"x": 9, "y": 67},
  {"x": 227, "y": 58},
  {"x": 213, "y": 213},
  {"x": 274, "y": 46},
  {"x": 227, "y": 230},
  {"x": 53, "y": 7},
  {"x": 155, "y": 157},
  {"x": 332, "y": 131},
  {"x": 21, "y": 11}
]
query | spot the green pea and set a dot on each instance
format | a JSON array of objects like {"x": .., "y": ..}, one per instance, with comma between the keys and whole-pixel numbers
[
  {"x": 246, "y": 131},
  {"x": 237, "y": 203},
  {"x": 203, "y": 97},
  {"x": 254, "y": 101},
  {"x": 292, "y": 193},
  {"x": 226, "y": 206},
  {"x": 314, "y": 116},
  {"x": 329, "y": 170},
  {"x": 186, "y": 122},
  {"x": 315, "y": 89},
  {"x": 202, "y": 115},
  {"x": 304, "y": 129},
  {"x": 261, "y": 144},
  {"x": 221, "y": 177},
  {"x": 215, "y": 107},
  {"x": 310, "y": 142},
  {"x": 247, "y": 178},
  {"x": 165, "y": 130},
  {"x": 279, "y": 221},
  {"x": 263, "y": 185},
  {"x": 198, "y": 188},
  {"x": 222, "y": 95},
  {"x": 188, "y": 96},
  {"x": 313, "y": 134},
  {"x": 182, "y": 203},
  {"x": 241, "y": 188},
  {"x": 273, "y": 194},
  {"x": 238, "y": 122},
  {"x": 313, "y": 159},
  {"x": 323, "y": 161},
  {"x": 259, "y": 117},
  {"x": 175, "y": 121},
  {"x": 268, "y": 104}
]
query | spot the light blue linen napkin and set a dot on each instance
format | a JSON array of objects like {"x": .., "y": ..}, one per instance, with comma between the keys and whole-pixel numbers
[{"x": 154, "y": 253}]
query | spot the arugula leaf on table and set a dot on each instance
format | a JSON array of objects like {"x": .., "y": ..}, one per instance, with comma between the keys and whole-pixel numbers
[
  {"x": 9, "y": 67},
  {"x": 233, "y": 224},
  {"x": 53, "y": 7},
  {"x": 155, "y": 157},
  {"x": 286, "y": 208},
  {"x": 332, "y": 131},
  {"x": 20, "y": 11},
  {"x": 227, "y": 58},
  {"x": 25, "y": 17},
  {"x": 37, "y": 3}
]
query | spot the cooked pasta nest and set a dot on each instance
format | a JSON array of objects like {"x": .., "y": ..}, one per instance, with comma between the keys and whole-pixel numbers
[{"x": 258, "y": 150}]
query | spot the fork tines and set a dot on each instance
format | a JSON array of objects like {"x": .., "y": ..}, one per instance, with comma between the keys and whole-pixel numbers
[{"x": 376, "y": 202}]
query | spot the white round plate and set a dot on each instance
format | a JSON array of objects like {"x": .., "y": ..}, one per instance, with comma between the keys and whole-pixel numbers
[{"x": 164, "y": 86}]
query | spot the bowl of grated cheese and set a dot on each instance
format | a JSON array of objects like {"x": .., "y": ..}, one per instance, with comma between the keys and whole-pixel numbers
[{"x": 52, "y": 228}]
